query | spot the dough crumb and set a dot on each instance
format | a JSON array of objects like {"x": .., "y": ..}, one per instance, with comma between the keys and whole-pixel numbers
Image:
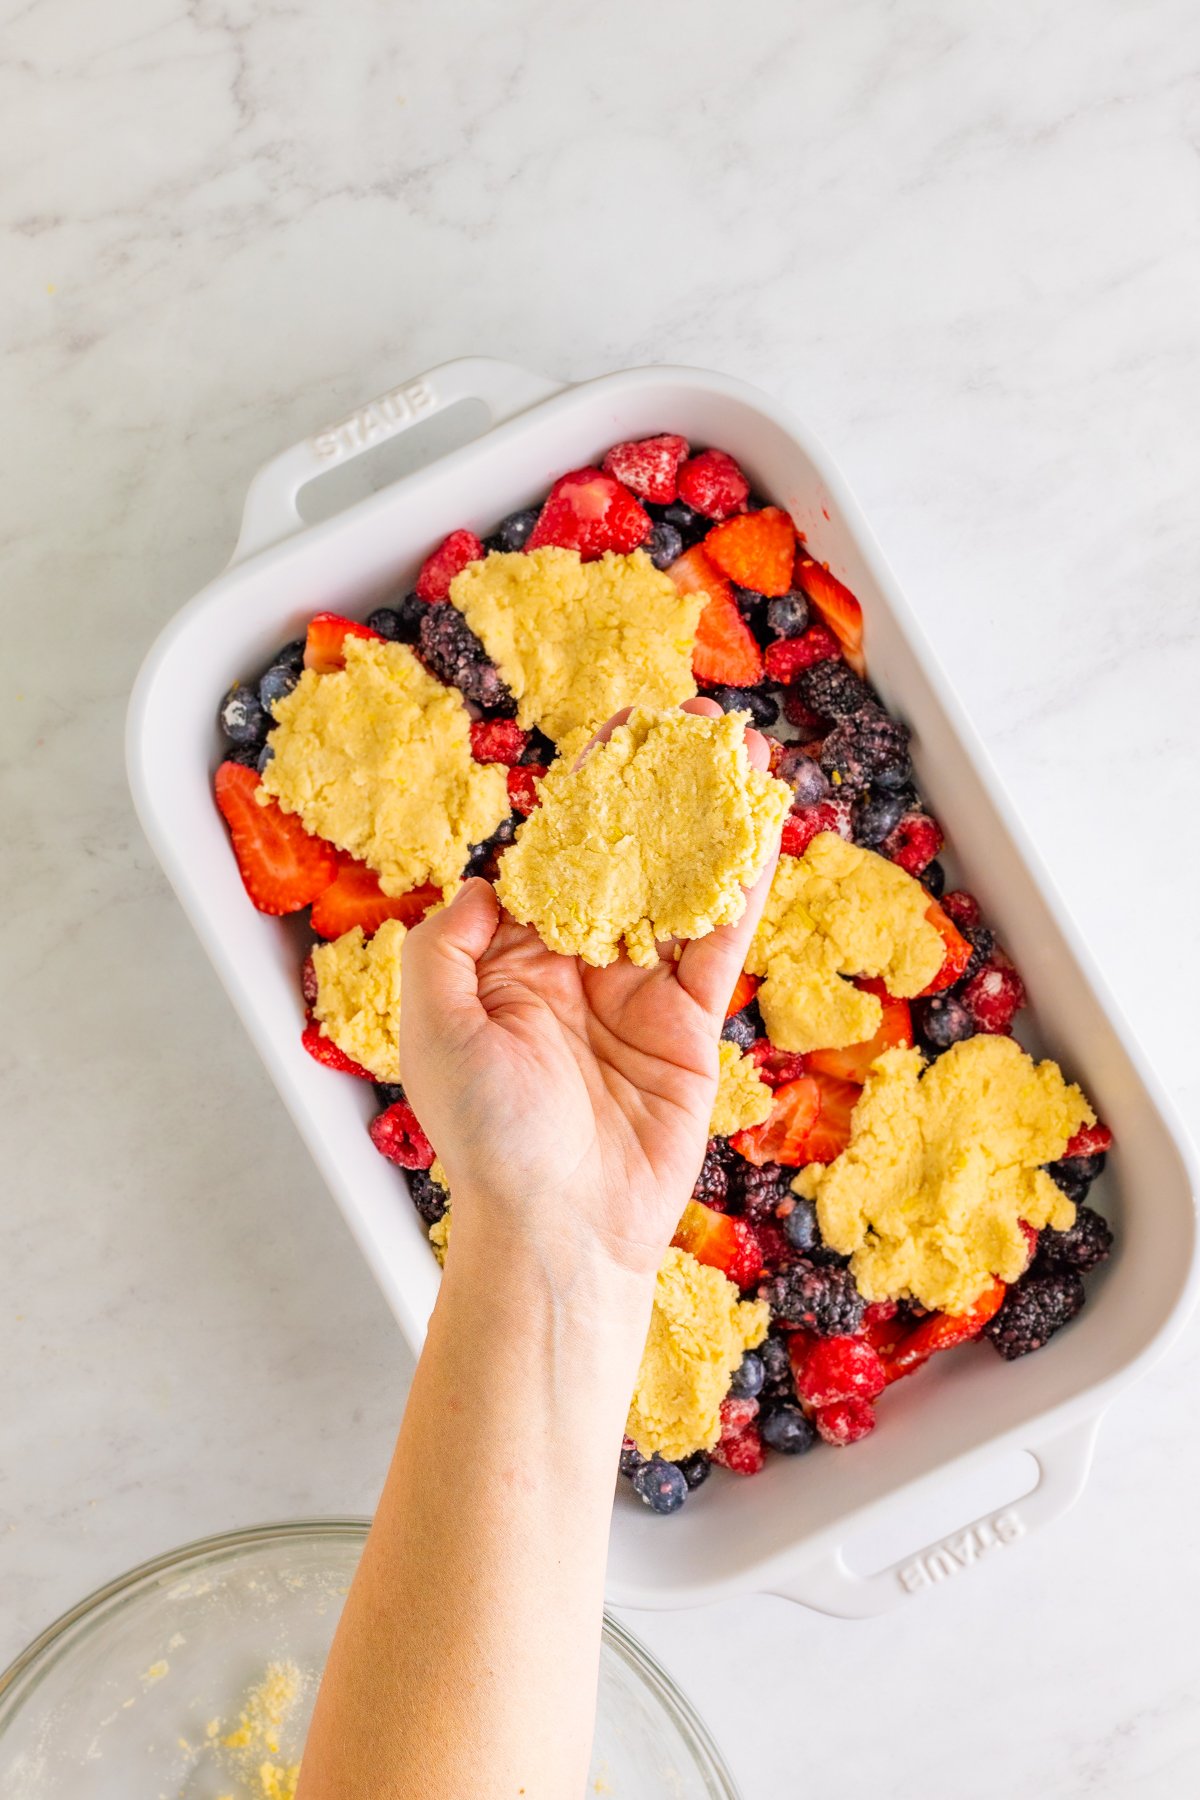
[
  {"x": 252, "y": 1748},
  {"x": 743, "y": 1097},
  {"x": 654, "y": 836},
  {"x": 358, "y": 996}
]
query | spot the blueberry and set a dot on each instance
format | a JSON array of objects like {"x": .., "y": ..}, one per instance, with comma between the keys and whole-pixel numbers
[
  {"x": 748, "y": 1377},
  {"x": 243, "y": 718},
  {"x": 753, "y": 607},
  {"x": 739, "y": 1030},
  {"x": 933, "y": 876},
  {"x": 786, "y": 1429},
  {"x": 291, "y": 656},
  {"x": 401, "y": 622},
  {"x": 875, "y": 814},
  {"x": 481, "y": 858},
  {"x": 512, "y": 533},
  {"x": 691, "y": 526},
  {"x": 665, "y": 544},
  {"x": 276, "y": 684},
  {"x": 265, "y": 755},
  {"x": 388, "y": 1093},
  {"x": 800, "y": 1225},
  {"x": 777, "y": 1367},
  {"x": 246, "y": 754},
  {"x": 695, "y": 1468},
  {"x": 788, "y": 615},
  {"x": 661, "y": 1485},
  {"x": 763, "y": 708},
  {"x": 539, "y": 749},
  {"x": 386, "y": 621},
  {"x": 982, "y": 942},
  {"x": 804, "y": 775},
  {"x": 631, "y": 1458},
  {"x": 943, "y": 1020}
]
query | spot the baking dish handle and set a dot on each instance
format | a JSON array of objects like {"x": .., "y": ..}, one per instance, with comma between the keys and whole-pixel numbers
[
  {"x": 271, "y": 511},
  {"x": 830, "y": 1586}
]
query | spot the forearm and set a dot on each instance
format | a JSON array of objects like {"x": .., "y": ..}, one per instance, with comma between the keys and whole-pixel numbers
[{"x": 466, "y": 1660}]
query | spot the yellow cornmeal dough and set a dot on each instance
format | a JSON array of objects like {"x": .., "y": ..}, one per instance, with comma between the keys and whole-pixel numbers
[
  {"x": 254, "y": 1741},
  {"x": 577, "y": 641},
  {"x": 743, "y": 1098},
  {"x": 940, "y": 1168},
  {"x": 653, "y": 836},
  {"x": 699, "y": 1331},
  {"x": 376, "y": 757},
  {"x": 838, "y": 910},
  {"x": 439, "y": 1237},
  {"x": 358, "y": 996}
]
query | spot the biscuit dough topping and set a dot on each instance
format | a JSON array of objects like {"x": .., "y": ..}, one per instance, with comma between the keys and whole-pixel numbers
[
  {"x": 838, "y": 910},
  {"x": 942, "y": 1167},
  {"x": 577, "y": 641},
  {"x": 358, "y": 996},
  {"x": 376, "y": 757},
  {"x": 743, "y": 1098},
  {"x": 653, "y": 836}
]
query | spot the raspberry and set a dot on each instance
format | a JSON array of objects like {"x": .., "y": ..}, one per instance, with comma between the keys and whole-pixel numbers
[
  {"x": 497, "y": 740},
  {"x": 845, "y": 1421},
  {"x": 798, "y": 713},
  {"x": 452, "y": 652},
  {"x": 871, "y": 746},
  {"x": 448, "y": 560},
  {"x": 803, "y": 825},
  {"x": 774, "y": 1248},
  {"x": 649, "y": 467},
  {"x": 712, "y": 484},
  {"x": 737, "y": 1412},
  {"x": 739, "y": 1447},
  {"x": 1087, "y": 1243},
  {"x": 1038, "y": 1306},
  {"x": 787, "y": 657},
  {"x": 397, "y": 1135},
  {"x": 821, "y": 1299},
  {"x": 913, "y": 843},
  {"x": 994, "y": 996},
  {"x": 522, "y": 795},
  {"x": 833, "y": 690},
  {"x": 838, "y": 1368},
  {"x": 1090, "y": 1140},
  {"x": 963, "y": 908},
  {"x": 308, "y": 981},
  {"x": 775, "y": 1066}
]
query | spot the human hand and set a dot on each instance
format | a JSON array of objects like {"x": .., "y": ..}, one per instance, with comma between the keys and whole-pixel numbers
[{"x": 569, "y": 1105}]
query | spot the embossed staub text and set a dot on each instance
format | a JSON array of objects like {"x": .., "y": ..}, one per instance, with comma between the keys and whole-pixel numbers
[
  {"x": 954, "y": 1554},
  {"x": 376, "y": 421}
]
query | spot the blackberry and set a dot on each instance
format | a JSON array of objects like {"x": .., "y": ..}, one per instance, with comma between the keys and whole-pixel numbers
[
  {"x": 739, "y": 1030},
  {"x": 753, "y": 607},
  {"x": 756, "y": 1019},
  {"x": 870, "y": 747},
  {"x": 388, "y": 1093},
  {"x": 276, "y": 683},
  {"x": 933, "y": 877},
  {"x": 786, "y": 1429},
  {"x": 662, "y": 1486},
  {"x": 400, "y": 623},
  {"x": 695, "y": 1468},
  {"x": 982, "y": 942},
  {"x": 691, "y": 526},
  {"x": 513, "y": 532},
  {"x": 244, "y": 719},
  {"x": 664, "y": 544},
  {"x": 452, "y": 652},
  {"x": 1076, "y": 1172},
  {"x": 800, "y": 1226},
  {"x": 748, "y": 1377},
  {"x": 777, "y": 1369},
  {"x": 803, "y": 774},
  {"x": 712, "y": 1183},
  {"x": 482, "y": 858},
  {"x": 943, "y": 1020},
  {"x": 875, "y": 814},
  {"x": 824, "y": 1300},
  {"x": 1038, "y": 1306},
  {"x": 428, "y": 1196},
  {"x": 539, "y": 749},
  {"x": 788, "y": 615},
  {"x": 631, "y": 1457},
  {"x": 834, "y": 690},
  {"x": 1087, "y": 1243},
  {"x": 762, "y": 1189}
]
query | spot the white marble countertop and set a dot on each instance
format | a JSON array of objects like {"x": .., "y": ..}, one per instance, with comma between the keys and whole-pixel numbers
[{"x": 962, "y": 240}]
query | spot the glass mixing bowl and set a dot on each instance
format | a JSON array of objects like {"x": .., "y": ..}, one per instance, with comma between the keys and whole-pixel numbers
[{"x": 192, "y": 1678}]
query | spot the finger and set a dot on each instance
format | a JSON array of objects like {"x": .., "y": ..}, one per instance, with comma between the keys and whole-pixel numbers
[
  {"x": 438, "y": 968},
  {"x": 603, "y": 734},
  {"x": 710, "y": 965},
  {"x": 703, "y": 706},
  {"x": 757, "y": 749}
]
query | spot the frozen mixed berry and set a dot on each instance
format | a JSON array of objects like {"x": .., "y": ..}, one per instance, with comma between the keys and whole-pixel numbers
[
  {"x": 835, "y": 1368},
  {"x": 914, "y": 842},
  {"x": 452, "y": 652},
  {"x": 649, "y": 467},
  {"x": 747, "y": 1380},
  {"x": 787, "y": 1430},
  {"x": 397, "y": 1134},
  {"x": 660, "y": 1485},
  {"x": 448, "y": 560},
  {"x": 664, "y": 544},
  {"x": 934, "y": 879},
  {"x": 803, "y": 774},
  {"x": 788, "y": 615},
  {"x": 1084, "y": 1246},
  {"x": 290, "y": 655},
  {"x": 739, "y": 1447},
  {"x": 739, "y": 1030},
  {"x": 522, "y": 791},
  {"x": 1040, "y": 1304},
  {"x": 690, "y": 524},
  {"x": 833, "y": 690},
  {"x": 712, "y": 1183},
  {"x": 589, "y": 511},
  {"x": 876, "y": 814},
  {"x": 244, "y": 719},
  {"x": 762, "y": 1188},
  {"x": 400, "y": 622},
  {"x": 763, "y": 708},
  {"x": 787, "y": 658},
  {"x": 963, "y": 908},
  {"x": 711, "y": 483},
  {"x": 483, "y": 859},
  {"x": 807, "y": 822},
  {"x": 983, "y": 944},
  {"x": 428, "y": 1196},
  {"x": 276, "y": 683},
  {"x": 994, "y": 997},
  {"x": 869, "y": 747},
  {"x": 846, "y": 1421},
  {"x": 388, "y": 1093},
  {"x": 943, "y": 1020},
  {"x": 695, "y": 1468},
  {"x": 539, "y": 749},
  {"x": 823, "y": 1300},
  {"x": 631, "y": 1457},
  {"x": 308, "y": 988},
  {"x": 800, "y": 1225},
  {"x": 1075, "y": 1174},
  {"x": 498, "y": 740},
  {"x": 512, "y": 533},
  {"x": 810, "y": 726},
  {"x": 775, "y": 1067},
  {"x": 777, "y": 1368}
]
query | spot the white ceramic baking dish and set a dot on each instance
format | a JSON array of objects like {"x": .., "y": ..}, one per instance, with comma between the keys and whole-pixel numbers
[{"x": 785, "y": 1532}]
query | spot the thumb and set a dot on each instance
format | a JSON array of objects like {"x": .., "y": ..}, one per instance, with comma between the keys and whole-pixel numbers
[{"x": 439, "y": 979}]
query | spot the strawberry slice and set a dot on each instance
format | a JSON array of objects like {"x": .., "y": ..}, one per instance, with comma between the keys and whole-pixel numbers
[
  {"x": 1090, "y": 1140},
  {"x": 835, "y": 603},
  {"x": 498, "y": 740},
  {"x": 830, "y": 1134},
  {"x": 355, "y": 897},
  {"x": 448, "y": 560},
  {"x": 942, "y": 1331},
  {"x": 324, "y": 645},
  {"x": 712, "y": 484},
  {"x": 725, "y": 651},
  {"x": 722, "y": 1242},
  {"x": 854, "y": 1062},
  {"x": 283, "y": 867},
  {"x": 522, "y": 794},
  {"x": 958, "y": 951},
  {"x": 784, "y": 1133},
  {"x": 787, "y": 656},
  {"x": 744, "y": 990},
  {"x": 650, "y": 467},
  {"x": 591, "y": 512},
  {"x": 322, "y": 1049},
  {"x": 757, "y": 550}
]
